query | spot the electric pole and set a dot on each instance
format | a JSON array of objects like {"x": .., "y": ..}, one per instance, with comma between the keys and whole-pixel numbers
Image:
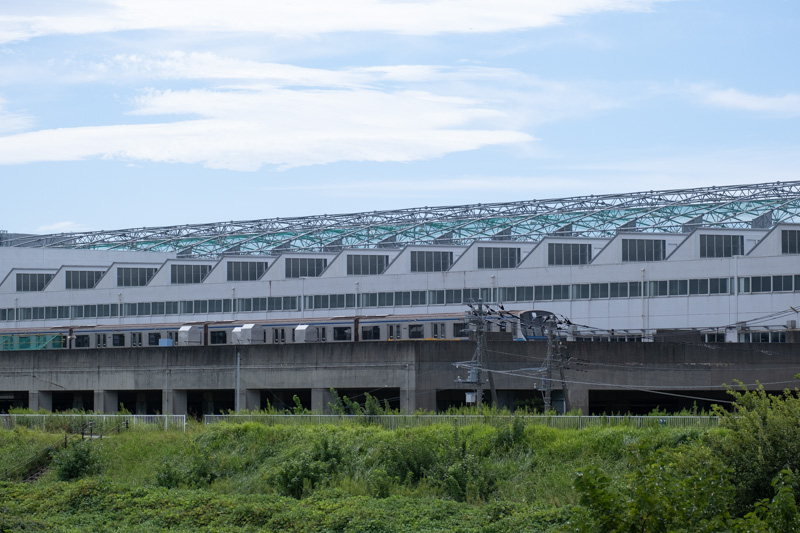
[
  {"x": 547, "y": 378},
  {"x": 477, "y": 320}
]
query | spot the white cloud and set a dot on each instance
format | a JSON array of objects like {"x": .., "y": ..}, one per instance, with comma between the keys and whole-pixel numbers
[
  {"x": 787, "y": 105},
  {"x": 275, "y": 114},
  {"x": 67, "y": 226},
  {"x": 519, "y": 99},
  {"x": 34, "y": 18},
  {"x": 246, "y": 145},
  {"x": 11, "y": 122}
]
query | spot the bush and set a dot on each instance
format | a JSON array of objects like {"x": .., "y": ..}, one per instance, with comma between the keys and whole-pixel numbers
[
  {"x": 739, "y": 478},
  {"x": 80, "y": 459},
  {"x": 762, "y": 438}
]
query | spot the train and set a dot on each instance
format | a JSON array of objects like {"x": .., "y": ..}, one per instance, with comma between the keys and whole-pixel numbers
[{"x": 510, "y": 325}]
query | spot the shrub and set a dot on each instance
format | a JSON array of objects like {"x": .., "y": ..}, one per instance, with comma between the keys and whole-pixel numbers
[
  {"x": 761, "y": 438},
  {"x": 80, "y": 459}
]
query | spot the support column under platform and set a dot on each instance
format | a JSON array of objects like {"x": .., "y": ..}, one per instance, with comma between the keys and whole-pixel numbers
[
  {"x": 320, "y": 398},
  {"x": 106, "y": 401},
  {"x": 174, "y": 402}
]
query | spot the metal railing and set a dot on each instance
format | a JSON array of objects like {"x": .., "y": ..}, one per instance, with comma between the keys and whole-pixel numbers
[
  {"x": 410, "y": 421},
  {"x": 101, "y": 423}
]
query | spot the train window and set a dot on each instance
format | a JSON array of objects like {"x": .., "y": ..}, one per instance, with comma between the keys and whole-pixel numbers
[
  {"x": 460, "y": 329},
  {"x": 153, "y": 338},
  {"x": 219, "y": 337},
  {"x": 416, "y": 331},
  {"x": 117, "y": 340},
  {"x": 342, "y": 334},
  {"x": 371, "y": 333},
  {"x": 81, "y": 341},
  {"x": 100, "y": 340}
]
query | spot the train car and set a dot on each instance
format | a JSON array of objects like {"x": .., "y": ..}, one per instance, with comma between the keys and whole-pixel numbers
[{"x": 428, "y": 327}]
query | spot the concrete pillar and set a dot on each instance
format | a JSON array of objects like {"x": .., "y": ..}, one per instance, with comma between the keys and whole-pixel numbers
[
  {"x": 320, "y": 398},
  {"x": 408, "y": 394},
  {"x": 425, "y": 399},
  {"x": 40, "y": 400},
  {"x": 252, "y": 400},
  {"x": 408, "y": 401},
  {"x": 242, "y": 399},
  {"x": 579, "y": 399},
  {"x": 105, "y": 402},
  {"x": 174, "y": 402}
]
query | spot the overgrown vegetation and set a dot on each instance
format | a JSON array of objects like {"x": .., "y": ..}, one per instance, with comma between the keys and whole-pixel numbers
[
  {"x": 511, "y": 476},
  {"x": 743, "y": 477}
]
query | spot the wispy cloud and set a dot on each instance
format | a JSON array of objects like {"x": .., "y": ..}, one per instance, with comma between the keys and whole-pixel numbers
[
  {"x": 34, "y": 18},
  {"x": 253, "y": 114},
  {"x": 11, "y": 122},
  {"x": 785, "y": 105},
  {"x": 248, "y": 145},
  {"x": 66, "y": 226}
]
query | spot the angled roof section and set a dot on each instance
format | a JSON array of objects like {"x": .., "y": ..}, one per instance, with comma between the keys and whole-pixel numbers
[{"x": 671, "y": 211}]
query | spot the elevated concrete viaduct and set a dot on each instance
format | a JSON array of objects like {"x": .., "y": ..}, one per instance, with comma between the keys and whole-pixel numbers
[{"x": 410, "y": 375}]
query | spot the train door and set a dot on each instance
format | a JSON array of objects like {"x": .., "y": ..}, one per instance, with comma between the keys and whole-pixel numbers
[
  {"x": 100, "y": 340},
  {"x": 322, "y": 334},
  {"x": 136, "y": 339},
  {"x": 278, "y": 335},
  {"x": 439, "y": 331},
  {"x": 395, "y": 332}
]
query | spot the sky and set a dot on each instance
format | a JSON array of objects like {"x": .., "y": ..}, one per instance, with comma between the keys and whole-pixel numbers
[{"x": 121, "y": 114}]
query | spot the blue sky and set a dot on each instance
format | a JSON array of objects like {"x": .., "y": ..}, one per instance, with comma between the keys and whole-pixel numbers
[{"x": 119, "y": 114}]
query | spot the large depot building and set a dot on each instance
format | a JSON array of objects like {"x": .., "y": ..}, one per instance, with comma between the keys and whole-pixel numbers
[{"x": 722, "y": 261}]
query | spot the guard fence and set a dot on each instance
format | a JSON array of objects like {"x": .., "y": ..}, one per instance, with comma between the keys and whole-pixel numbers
[
  {"x": 72, "y": 423},
  {"x": 410, "y": 421}
]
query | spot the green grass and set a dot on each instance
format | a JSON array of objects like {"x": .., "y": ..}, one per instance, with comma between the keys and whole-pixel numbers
[{"x": 249, "y": 477}]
